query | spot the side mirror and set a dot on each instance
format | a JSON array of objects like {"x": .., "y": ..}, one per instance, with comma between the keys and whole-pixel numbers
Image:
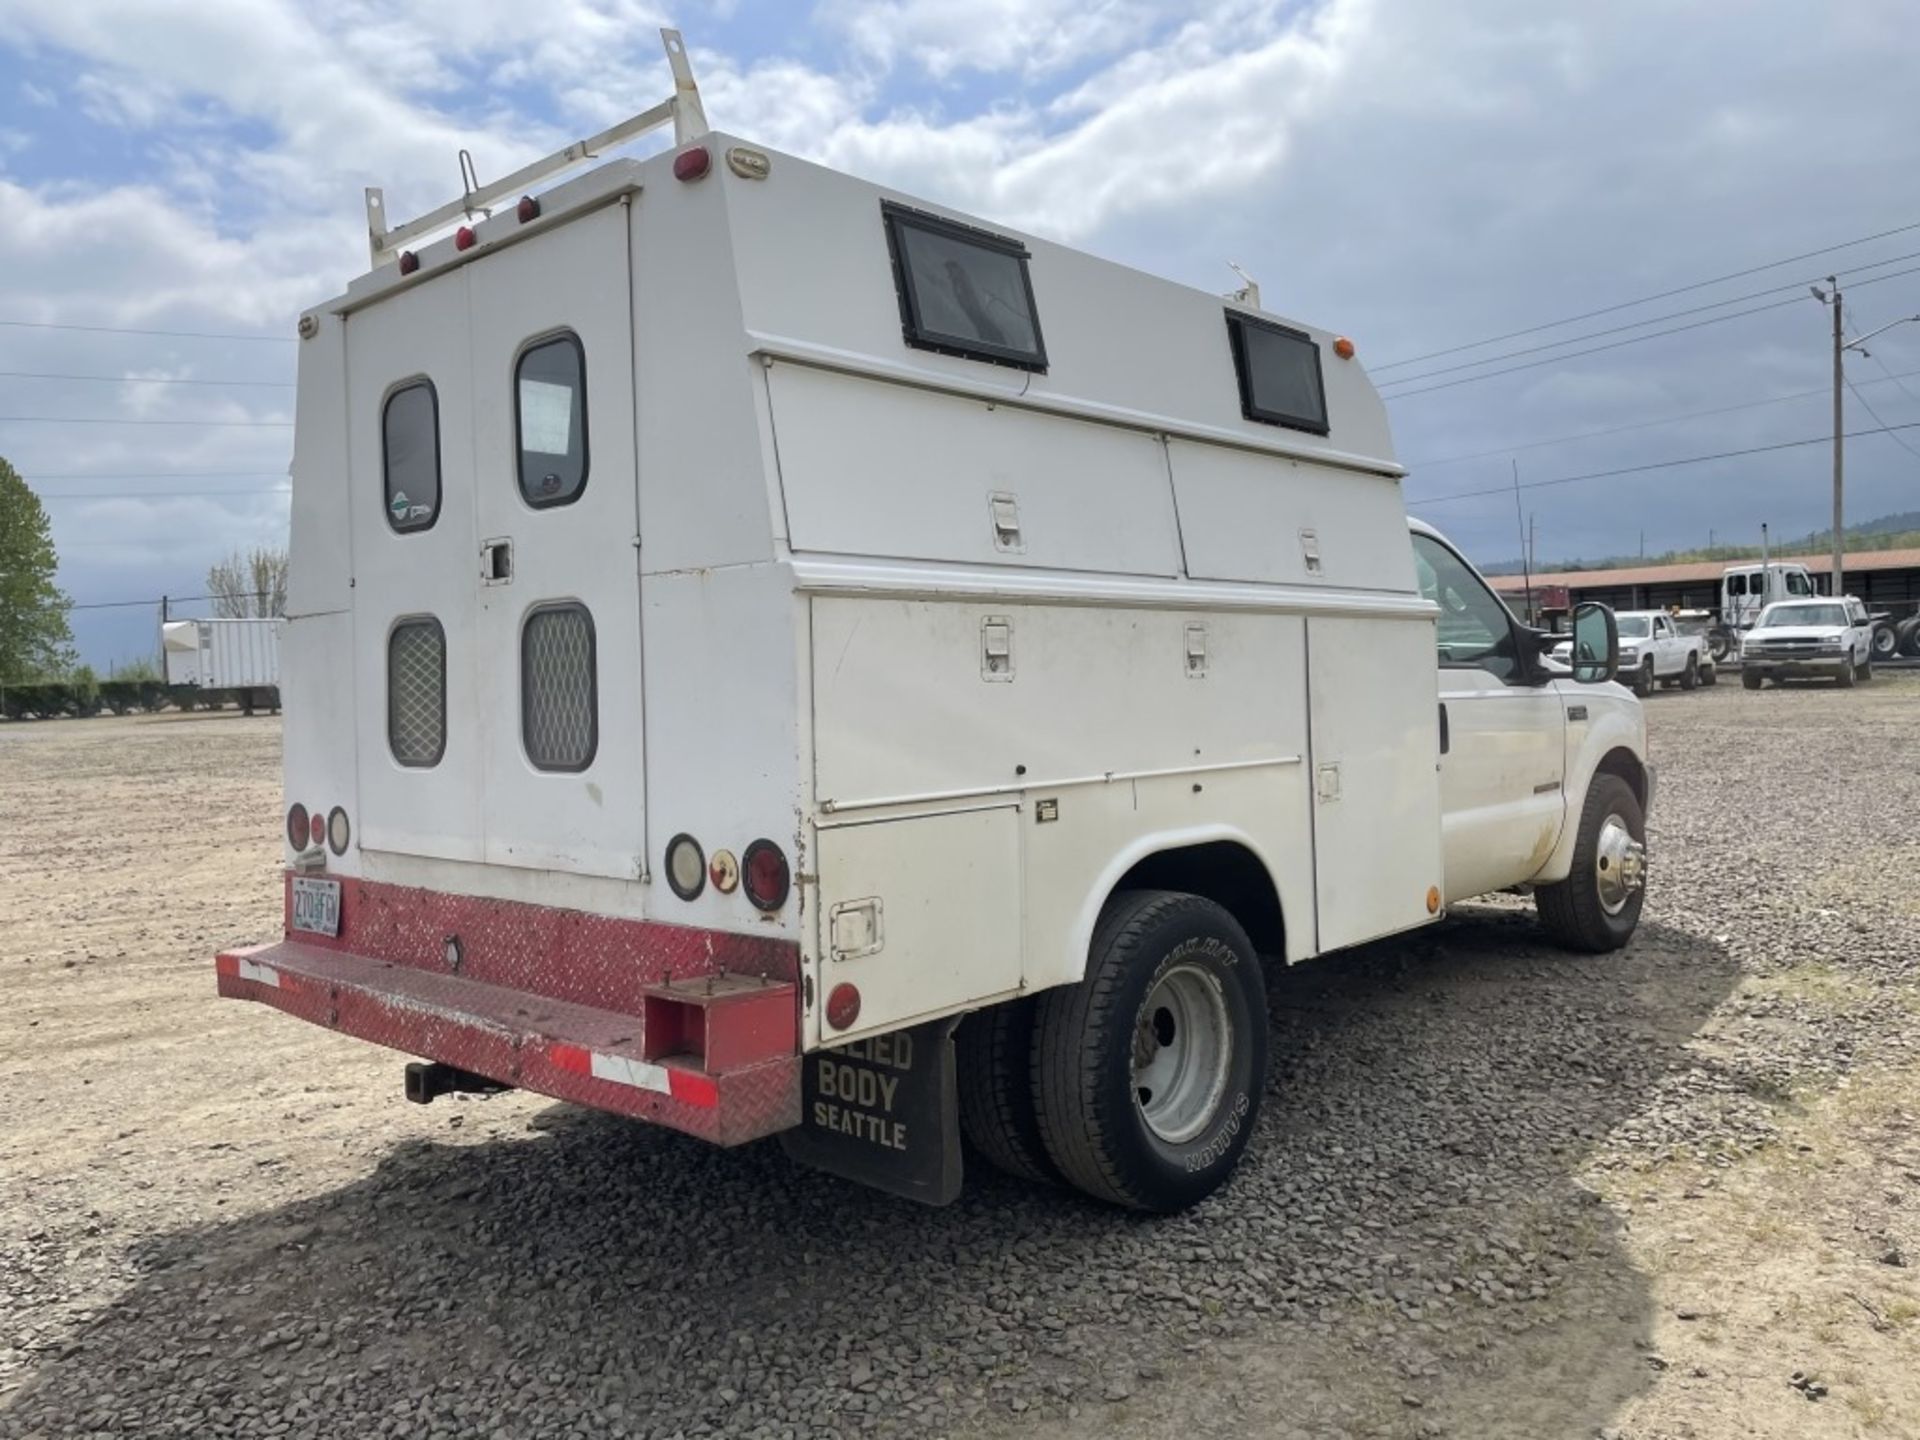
[{"x": 1596, "y": 644}]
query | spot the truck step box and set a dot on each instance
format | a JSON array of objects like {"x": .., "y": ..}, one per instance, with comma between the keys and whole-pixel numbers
[{"x": 717, "y": 1056}]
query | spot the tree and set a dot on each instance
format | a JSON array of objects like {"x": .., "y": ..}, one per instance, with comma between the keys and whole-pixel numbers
[
  {"x": 253, "y": 583},
  {"x": 34, "y": 639}
]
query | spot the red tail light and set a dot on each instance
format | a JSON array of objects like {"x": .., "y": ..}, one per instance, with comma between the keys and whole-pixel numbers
[
  {"x": 297, "y": 830},
  {"x": 843, "y": 1005},
  {"x": 692, "y": 164},
  {"x": 317, "y": 827},
  {"x": 763, "y": 870},
  {"x": 409, "y": 262},
  {"x": 463, "y": 238},
  {"x": 527, "y": 209}
]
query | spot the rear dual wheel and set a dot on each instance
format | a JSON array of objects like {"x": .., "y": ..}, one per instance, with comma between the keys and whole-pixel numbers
[{"x": 1144, "y": 1079}]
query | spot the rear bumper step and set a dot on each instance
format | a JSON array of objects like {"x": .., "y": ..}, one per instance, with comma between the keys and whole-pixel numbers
[{"x": 716, "y": 1056}]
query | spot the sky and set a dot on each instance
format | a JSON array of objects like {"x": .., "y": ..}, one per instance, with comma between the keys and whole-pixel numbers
[{"x": 1417, "y": 176}]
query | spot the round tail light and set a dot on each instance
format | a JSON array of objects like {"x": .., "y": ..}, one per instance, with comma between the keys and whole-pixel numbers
[
  {"x": 338, "y": 831},
  {"x": 692, "y": 164},
  {"x": 318, "y": 827},
  {"x": 764, "y": 873},
  {"x": 843, "y": 1005},
  {"x": 686, "y": 867},
  {"x": 297, "y": 830}
]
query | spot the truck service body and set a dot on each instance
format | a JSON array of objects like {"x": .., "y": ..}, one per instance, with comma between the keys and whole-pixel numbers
[{"x": 743, "y": 620}]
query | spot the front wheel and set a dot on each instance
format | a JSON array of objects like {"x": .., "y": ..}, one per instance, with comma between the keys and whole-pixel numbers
[
  {"x": 1597, "y": 906},
  {"x": 1148, "y": 1073},
  {"x": 1690, "y": 677},
  {"x": 1643, "y": 679},
  {"x": 1847, "y": 673},
  {"x": 1886, "y": 644},
  {"x": 1750, "y": 679}
]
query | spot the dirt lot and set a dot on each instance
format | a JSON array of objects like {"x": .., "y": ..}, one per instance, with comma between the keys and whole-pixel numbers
[{"x": 1496, "y": 1191}]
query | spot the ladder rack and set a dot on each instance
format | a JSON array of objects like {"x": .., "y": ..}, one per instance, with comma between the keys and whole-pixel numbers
[{"x": 682, "y": 108}]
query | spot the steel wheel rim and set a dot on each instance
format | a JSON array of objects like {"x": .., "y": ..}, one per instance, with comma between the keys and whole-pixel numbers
[
  {"x": 1182, "y": 1049},
  {"x": 1619, "y": 865}
]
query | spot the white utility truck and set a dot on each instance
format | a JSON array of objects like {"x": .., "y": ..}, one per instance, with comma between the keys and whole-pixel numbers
[
  {"x": 237, "y": 656},
  {"x": 747, "y": 625}
]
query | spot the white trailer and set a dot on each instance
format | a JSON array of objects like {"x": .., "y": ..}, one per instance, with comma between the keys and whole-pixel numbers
[
  {"x": 237, "y": 656},
  {"x": 744, "y": 620}
]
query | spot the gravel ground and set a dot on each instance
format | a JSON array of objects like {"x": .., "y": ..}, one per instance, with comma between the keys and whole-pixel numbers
[{"x": 1497, "y": 1191}]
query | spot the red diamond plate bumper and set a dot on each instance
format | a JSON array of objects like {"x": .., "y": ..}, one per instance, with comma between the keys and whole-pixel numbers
[{"x": 694, "y": 1029}]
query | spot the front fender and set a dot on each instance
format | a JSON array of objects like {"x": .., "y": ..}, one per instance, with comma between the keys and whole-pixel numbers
[{"x": 1614, "y": 721}]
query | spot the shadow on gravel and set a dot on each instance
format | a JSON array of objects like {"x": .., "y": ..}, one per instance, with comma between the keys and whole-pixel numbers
[{"x": 1407, "y": 1228}]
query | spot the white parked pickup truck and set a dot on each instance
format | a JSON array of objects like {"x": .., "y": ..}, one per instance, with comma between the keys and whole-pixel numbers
[
  {"x": 741, "y": 677},
  {"x": 1655, "y": 651},
  {"x": 1830, "y": 638}
]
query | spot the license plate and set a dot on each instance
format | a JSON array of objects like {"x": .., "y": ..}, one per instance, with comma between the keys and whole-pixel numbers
[{"x": 316, "y": 905}]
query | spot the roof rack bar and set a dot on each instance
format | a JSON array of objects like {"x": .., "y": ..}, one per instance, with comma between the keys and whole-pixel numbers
[{"x": 683, "y": 108}]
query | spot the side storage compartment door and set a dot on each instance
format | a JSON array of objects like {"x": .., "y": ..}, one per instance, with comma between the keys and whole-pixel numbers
[
  {"x": 1376, "y": 778},
  {"x": 919, "y": 914}
]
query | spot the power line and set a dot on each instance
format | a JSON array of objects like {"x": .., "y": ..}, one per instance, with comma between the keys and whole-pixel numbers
[
  {"x": 131, "y": 604},
  {"x": 1659, "y": 465},
  {"x": 37, "y": 476},
  {"x": 1617, "y": 344},
  {"x": 1502, "y": 450},
  {"x": 112, "y": 420},
  {"x": 1594, "y": 350},
  {"x": 1796, "y": 288},
  {"x": 1649, "y": 299},
  {"x": 1883, "y": 424},
  {"x": 168, "y": 494},
  {"x": 122, "y": 330},
  {"x": 139, "y": 379}
]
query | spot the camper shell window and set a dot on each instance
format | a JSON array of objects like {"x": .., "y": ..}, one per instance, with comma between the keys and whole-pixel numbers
[
  {"x": 1279, "y": 373},
  {"x": 550, "y": 420},
  {"x": 963, "y": 291},
  {"x": 410, "y": 455}
]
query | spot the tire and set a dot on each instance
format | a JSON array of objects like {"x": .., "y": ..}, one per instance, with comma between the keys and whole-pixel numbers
[
  {"x": 1192, "y": 959},
  {"x": 1907, "y": 632},
  {"x": 1865, "y": 672},
  {"x": 1847, "y": 672},
  {"x": 1586, "y": 911},
  {"x": 1643, "y": 679},
  {"x": 1750, "y": 679},
  {"x": 1886, "y": 642},
  {"x": 993, "y": 1055},
  {"x": 1710, "y": 674},
  {"x": 1719, "y": 644},
  {"x": 1690, "y": 677}
]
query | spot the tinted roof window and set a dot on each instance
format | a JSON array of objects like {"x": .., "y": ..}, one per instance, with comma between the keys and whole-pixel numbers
[
  {"x": 963, "y": 291},
  {"x": 1279, "y": 373}
]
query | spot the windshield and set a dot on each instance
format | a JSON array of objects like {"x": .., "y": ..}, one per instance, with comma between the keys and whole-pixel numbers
[
  {"x": 1635, "y": 627},
  {"x": 1779, "y": 615}
]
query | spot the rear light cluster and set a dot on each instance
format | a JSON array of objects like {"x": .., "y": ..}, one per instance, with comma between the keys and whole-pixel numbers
[
  {"x": 309, "y": 829},
  {"x": 762, "y": 871}
]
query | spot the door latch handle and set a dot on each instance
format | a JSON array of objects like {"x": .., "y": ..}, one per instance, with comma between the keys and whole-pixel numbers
[
  {"x": 1446, "y": 738},
  {"x": 496, "y": 562}
]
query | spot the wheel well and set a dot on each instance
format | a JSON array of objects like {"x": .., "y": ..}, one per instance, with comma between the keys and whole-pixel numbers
[
  {"x": 1627, "y": 766},
  {"x": 1227, "y": 873}
]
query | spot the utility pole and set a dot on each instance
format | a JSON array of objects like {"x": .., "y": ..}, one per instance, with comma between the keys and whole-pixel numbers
[
  {"x": 1526, "y": 549},
  {"x": 1835, "y": 587}
]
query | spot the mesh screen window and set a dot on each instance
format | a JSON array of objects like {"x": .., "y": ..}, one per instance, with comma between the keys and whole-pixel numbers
[
  {"x": 963, "y": 291},
  {"x": 1279, "y": 371},
  {"x": 417, "y": 692},
  {"x": 559, "y": 691}
]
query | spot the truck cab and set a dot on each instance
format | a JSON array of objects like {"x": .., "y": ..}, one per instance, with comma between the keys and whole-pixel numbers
[{"x": 768, "y": 655}]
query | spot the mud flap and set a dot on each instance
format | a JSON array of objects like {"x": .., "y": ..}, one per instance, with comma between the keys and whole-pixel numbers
[{"x": 884, "y": 1112}]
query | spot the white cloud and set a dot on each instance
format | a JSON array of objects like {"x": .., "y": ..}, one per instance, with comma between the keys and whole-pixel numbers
[{"x": 1031, "y": 37}]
